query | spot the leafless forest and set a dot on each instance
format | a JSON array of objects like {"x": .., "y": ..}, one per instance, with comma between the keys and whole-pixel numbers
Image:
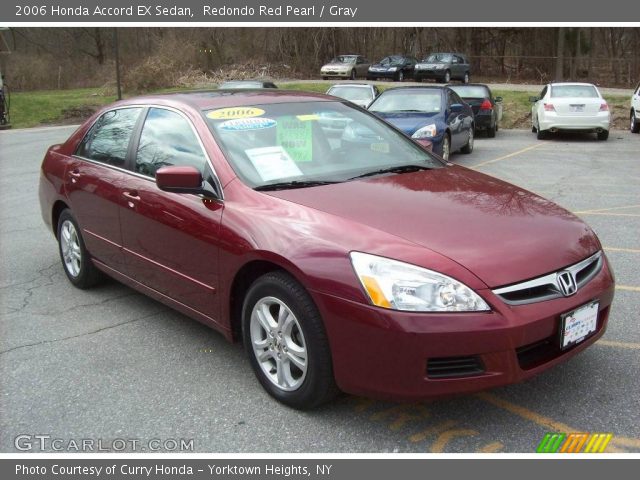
[{"x": 51, "y": 58}]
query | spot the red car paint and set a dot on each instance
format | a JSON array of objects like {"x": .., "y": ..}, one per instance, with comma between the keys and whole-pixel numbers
[{"x": 189, "y": 252}]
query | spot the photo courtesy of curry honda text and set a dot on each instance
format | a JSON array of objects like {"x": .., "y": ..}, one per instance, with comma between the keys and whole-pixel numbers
[{"x": 347, "y": 259}]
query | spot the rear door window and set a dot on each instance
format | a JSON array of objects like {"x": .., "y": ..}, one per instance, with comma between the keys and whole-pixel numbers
[{"x": 108, "y": 139}]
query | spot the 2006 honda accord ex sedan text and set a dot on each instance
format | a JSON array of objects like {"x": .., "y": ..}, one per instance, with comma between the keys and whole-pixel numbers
[{"x": 348, "y": 260}]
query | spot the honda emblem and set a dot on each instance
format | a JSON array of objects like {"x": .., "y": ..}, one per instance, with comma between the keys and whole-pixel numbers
[{"x": 567, "y": 283}]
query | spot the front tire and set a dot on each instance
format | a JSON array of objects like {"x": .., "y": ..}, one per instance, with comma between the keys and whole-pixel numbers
[
  {"x": 447, "y": 76},
  {"x": 466, "y": 77},
  {"x": 446, "y": 147},
  {"x": 400, "y": 76},
  {"x": 76, "y": 261},
  {"x": 353, "y": 75},
  {"x": 286, "y": 342},
  {"x": 634, "y": 124}
]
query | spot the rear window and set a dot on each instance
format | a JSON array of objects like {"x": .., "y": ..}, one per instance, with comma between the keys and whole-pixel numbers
[
  {"x": 586, "y": 91},
  {"x": 351, "y": 93},
  {"x": 470, "y": 91},
  {"x": 427, "y": 101}
]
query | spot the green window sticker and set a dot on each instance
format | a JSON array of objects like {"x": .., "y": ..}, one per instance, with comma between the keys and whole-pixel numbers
[{"x": 296, "y": 137}]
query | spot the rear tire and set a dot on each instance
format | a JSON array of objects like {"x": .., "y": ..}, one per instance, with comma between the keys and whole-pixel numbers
[
  {"x": 542, "y": 134},
  {"x": 447, "y": 76},
  {"x": 603, "y": 135},
  {"x": 399, "y": 76},
  {"x": 76, "y": 260},
  {"x": 325, "y": 78},
  {"x": 635, "y": 125},
  {"x": 491, "y": 131},
  {"x": 468, "y": 148},
  {"x": 466, "y": 77},
  {"x": 282, "y": 325}
]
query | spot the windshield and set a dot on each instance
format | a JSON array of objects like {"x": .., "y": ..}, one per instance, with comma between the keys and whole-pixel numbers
[
  {"x": 310, "y": 141},
  {"x": 343, "y": 59},
  {"x": 470, "y": 91},
  {"x": 586, "y": 91},
  {"x": 438, "y": 58},
  {"x": 391, "y": 60},
  {"x": 352, "y": 93},
  {"x": 427, "y": 101}
]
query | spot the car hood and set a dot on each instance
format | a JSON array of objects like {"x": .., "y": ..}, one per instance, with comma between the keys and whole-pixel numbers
[
  {"x": 409, "y": 122},
  {"x": 501, "y": 233},
  {"x": 386, "y": 65}
]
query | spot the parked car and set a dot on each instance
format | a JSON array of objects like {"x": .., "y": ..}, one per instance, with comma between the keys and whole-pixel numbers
[
  {"x": 361, "y": 263},
  {"x": 635, "y": 110},
  {"x": 571, "y": 107},
  {"x": 487, "y": 109},
  {"x": 345, "y": 66},
  {"x": 396, "y": 67},
  {"x": 233, "y": 84},
  {"x": 436, "y": 114},
  {"x": 444, "y": 67},
  {"x": 362, "y": 94}
]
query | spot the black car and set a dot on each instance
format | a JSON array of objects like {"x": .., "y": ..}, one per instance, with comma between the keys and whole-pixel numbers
[
  {"x": 235, "y": 84},
  {"x": 396, "y": 67},
  {"x": 487, "y": 109},
  {"x": 444, "y": 67}
]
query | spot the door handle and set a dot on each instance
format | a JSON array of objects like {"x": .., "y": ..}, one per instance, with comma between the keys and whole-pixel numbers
[
  {"x": 133, "y": 195},
  {"x": 74, "y": 174}
]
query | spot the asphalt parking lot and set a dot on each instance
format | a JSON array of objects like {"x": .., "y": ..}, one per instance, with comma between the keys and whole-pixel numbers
[{"x": 110, "y": 363}]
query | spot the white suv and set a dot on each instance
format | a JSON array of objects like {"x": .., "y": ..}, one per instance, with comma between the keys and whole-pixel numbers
[
  {"x": 635, "y": 110},
  {"x": 577, "y": 107}
]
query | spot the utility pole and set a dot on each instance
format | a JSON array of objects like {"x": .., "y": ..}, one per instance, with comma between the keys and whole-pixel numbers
[
  {"x": 560, "y": 56},
  {"x": 116, "y": 49}
]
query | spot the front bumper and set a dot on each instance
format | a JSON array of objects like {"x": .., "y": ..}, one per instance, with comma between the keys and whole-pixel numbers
[
  {"x": 384, "y": 354},
  {"x": 373, "y": 75},
  {"x": 429, "y": 74},
  {"x": 552, "y": 120},
  {"x": 336, "y": 74}
]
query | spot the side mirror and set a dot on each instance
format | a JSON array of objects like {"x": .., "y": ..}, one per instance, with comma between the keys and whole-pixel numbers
[
  {"x": 456, "y": 107},
  {"x": 533, "y": 99},
  {"x": 179, "y": 179},
  {"x": 497, "y": 99}
]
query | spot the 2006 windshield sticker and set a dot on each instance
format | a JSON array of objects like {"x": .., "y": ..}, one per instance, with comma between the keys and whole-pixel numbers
[
  {"x": 243, "y": 124},
  {"x": 235, "y": 112}
]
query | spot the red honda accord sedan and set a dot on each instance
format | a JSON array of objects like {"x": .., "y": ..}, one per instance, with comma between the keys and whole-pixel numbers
[{"x": 344, "y": 256}]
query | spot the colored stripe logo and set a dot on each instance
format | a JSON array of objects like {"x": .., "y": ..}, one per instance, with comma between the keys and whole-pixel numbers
[{"x": 574, "y": 443}]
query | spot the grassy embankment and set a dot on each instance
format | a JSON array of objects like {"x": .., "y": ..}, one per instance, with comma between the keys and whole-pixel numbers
[{"x": 30, "y": 109}]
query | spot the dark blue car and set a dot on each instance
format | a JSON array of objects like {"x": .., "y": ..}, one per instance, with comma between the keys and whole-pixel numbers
[{"x": 430, "y": 113}]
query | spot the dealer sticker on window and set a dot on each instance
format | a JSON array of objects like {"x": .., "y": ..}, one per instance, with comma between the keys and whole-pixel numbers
[{"x": 578, "y": 324}]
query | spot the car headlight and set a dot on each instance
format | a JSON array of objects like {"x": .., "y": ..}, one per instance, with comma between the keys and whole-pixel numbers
[
  {"x": 428, "y": 131},
  {"x": 402, "y": 286},
  {"x": 393, "y": 69}
]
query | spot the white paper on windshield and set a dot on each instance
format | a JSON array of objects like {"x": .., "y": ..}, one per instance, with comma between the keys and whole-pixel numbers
[{"x": 273, "y": 163}]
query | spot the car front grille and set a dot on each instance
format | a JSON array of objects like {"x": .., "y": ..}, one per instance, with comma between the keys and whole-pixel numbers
[
  {"x": 548, "y": 286},
  {"x": 454, "y": 367}
]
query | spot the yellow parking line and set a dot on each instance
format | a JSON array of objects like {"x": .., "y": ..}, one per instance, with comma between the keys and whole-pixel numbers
[
  {"x": 616, "y": 249},
  {"x": 444, "y": 438},
  {"x": 492, "y": 447},
  {"x": 547, "y": 422},
  {"x": 611, "y": 343},
  {"x": 607, "y": 209},
  {"x": 504, "y": 157},
  {"x": 628, "y": 288}
]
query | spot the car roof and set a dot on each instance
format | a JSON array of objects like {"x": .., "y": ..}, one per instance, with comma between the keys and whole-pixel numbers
[
  {"x": 206, "y": 100},
  {"x": 360, "y": 85},
  {"x": 469, "y": 85},
  {"x": 578, "y": 84},
  {"x": 417, "y": 87}
]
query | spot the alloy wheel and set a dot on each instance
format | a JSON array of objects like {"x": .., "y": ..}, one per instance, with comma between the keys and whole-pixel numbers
[
  {"x": 446, "y": 147},
  {"x": 71, "y": 252},
  {"x": 278, "y": 343}
]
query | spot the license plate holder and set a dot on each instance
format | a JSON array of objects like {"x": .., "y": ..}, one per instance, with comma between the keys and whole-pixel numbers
[
  {"x": 576, "y": 108},
  {"x": 578, "y": 324}
]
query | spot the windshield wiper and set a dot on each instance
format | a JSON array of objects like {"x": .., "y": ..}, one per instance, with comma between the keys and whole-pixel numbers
[
  {"x": 293, "y": 184},
  {"x": 399, "y": 169}
]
